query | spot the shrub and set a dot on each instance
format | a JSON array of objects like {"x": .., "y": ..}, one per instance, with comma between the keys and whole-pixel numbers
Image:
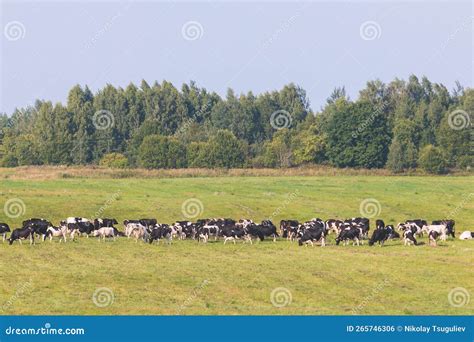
[
  {"x": 432, "y": 160},
  {"x": 114, "y": 160}
]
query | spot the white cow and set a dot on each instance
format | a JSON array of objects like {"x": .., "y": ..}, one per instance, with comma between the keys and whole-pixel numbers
[
  {"x": 467, "y": 235},
  {"x": 104, "y": 232},
  {"x": 440, "y": 229},
  {"x": 57, "y": 232}
]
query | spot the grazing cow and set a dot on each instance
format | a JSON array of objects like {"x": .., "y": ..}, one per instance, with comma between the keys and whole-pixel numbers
[
  {"x": 268, "y": 229},
  {"x": 39, "y": 226},
  {"x": 382, "y": 234},
  {"x": 22, "y": 233},
  {"x": 441, "y": 229},
  {"x": 449, "y": 226},
  {"x": 210, "y": 230},
  {"x": 432, "y": 236},
  {"x": 288, "y": 228},
  {"x": 467, "y": 235},
  {"x": 351, "y": 233},
  {"x": 137, "y": 230},
  {"x": 233, "y": 233},
  {"x": 409, "y": 236},
  {"x": 4, "y": 229},
  {"x": 104, "y": 232},
  {"x": 359, "y": 222},
  {"x": 162, "y": 231},
  {"x": 81, "y": 227},
  {"x": 333, "y": 225},
  {"x": 315, "y": 232},
  {"x": 57, "y": 232}
]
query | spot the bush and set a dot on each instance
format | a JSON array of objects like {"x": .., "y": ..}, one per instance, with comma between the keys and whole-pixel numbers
[
  {"x": 114, "y": 160},
  {"x": 432, "y": 160}
]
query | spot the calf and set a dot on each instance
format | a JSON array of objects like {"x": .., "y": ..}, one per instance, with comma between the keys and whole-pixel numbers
[
  {"x": 22, "y": 233},
  {"x": 467, "y": 235},
  {"x": 4, "y": 229},
  {"x": 409, "y": 237},
  {"x": 432, "y": 236}
]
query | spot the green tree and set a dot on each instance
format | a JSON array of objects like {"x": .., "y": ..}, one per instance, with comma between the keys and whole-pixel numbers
[
  {"x": 432, "y": 160},
  {"x": 225, "y": 150}
]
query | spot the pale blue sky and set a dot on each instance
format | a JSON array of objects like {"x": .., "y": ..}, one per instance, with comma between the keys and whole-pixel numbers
[{"x": 255, "y": 46}]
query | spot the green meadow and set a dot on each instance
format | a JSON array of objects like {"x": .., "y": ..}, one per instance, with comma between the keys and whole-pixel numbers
[{"x": 125, "y": 277}]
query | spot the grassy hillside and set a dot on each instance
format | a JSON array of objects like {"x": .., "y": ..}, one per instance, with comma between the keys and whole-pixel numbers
[{"x": 187, "y": 278}]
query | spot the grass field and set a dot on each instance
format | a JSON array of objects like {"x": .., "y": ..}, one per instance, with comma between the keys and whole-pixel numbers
[{"x": 187, "y": 278}]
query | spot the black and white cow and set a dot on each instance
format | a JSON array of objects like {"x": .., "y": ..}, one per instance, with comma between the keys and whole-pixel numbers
[
  {"x": 233, "y": 233},
  {"x": 60, "y": 232},
  {"x": 333, "y": 225},
  {"x": 350, "y": 233},
  {"x": 361, "y": 223},
  {"x": 288, "y": 228},
  {"x": 39, "y": 226},
  {"x": 4, "y": 229},
  {"x": 160, "y": 232},
  {"x": 449, "y": 226},
  {"x": 314, "y": 231},
  {"x": 104, "y": 222},
  {"x": 466, "y": 235},
  {"x": 409, "y": 236},
  {"x": 21, "y": 234},
  {"x": 81, "y": 227},
  {"x": 440, "y": 229}
]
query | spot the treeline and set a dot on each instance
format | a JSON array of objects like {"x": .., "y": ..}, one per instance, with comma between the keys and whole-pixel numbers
[{"x": 401, "y": 125}]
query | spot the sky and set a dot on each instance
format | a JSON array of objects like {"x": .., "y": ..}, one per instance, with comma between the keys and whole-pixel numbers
[{"x": 47, "y": 47}]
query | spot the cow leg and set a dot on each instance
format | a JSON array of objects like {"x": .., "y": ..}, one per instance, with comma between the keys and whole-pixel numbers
[
  {"x": 357, "y": 241},
  {"x": 21, "y": 243},
  {"x": 323, "y": 242}
]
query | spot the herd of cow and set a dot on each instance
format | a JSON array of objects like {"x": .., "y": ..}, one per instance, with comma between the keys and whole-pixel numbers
[{"x": 314, "y": 231}]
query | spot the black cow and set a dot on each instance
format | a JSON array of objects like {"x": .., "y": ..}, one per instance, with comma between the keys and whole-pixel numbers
[
  {"x": 360, "y": 222},
  {"x": 39, "y": 226},
  {"x": 233, "y": 232},
  {"x": 382, "y": 234},
  {"x": 105, "y": 222},
  {"x": 268, "y": 229},
  {"x": 4, "y": 229},
  {"x": 22, "y": 233},
  {"x": 449, "y": 226}
]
